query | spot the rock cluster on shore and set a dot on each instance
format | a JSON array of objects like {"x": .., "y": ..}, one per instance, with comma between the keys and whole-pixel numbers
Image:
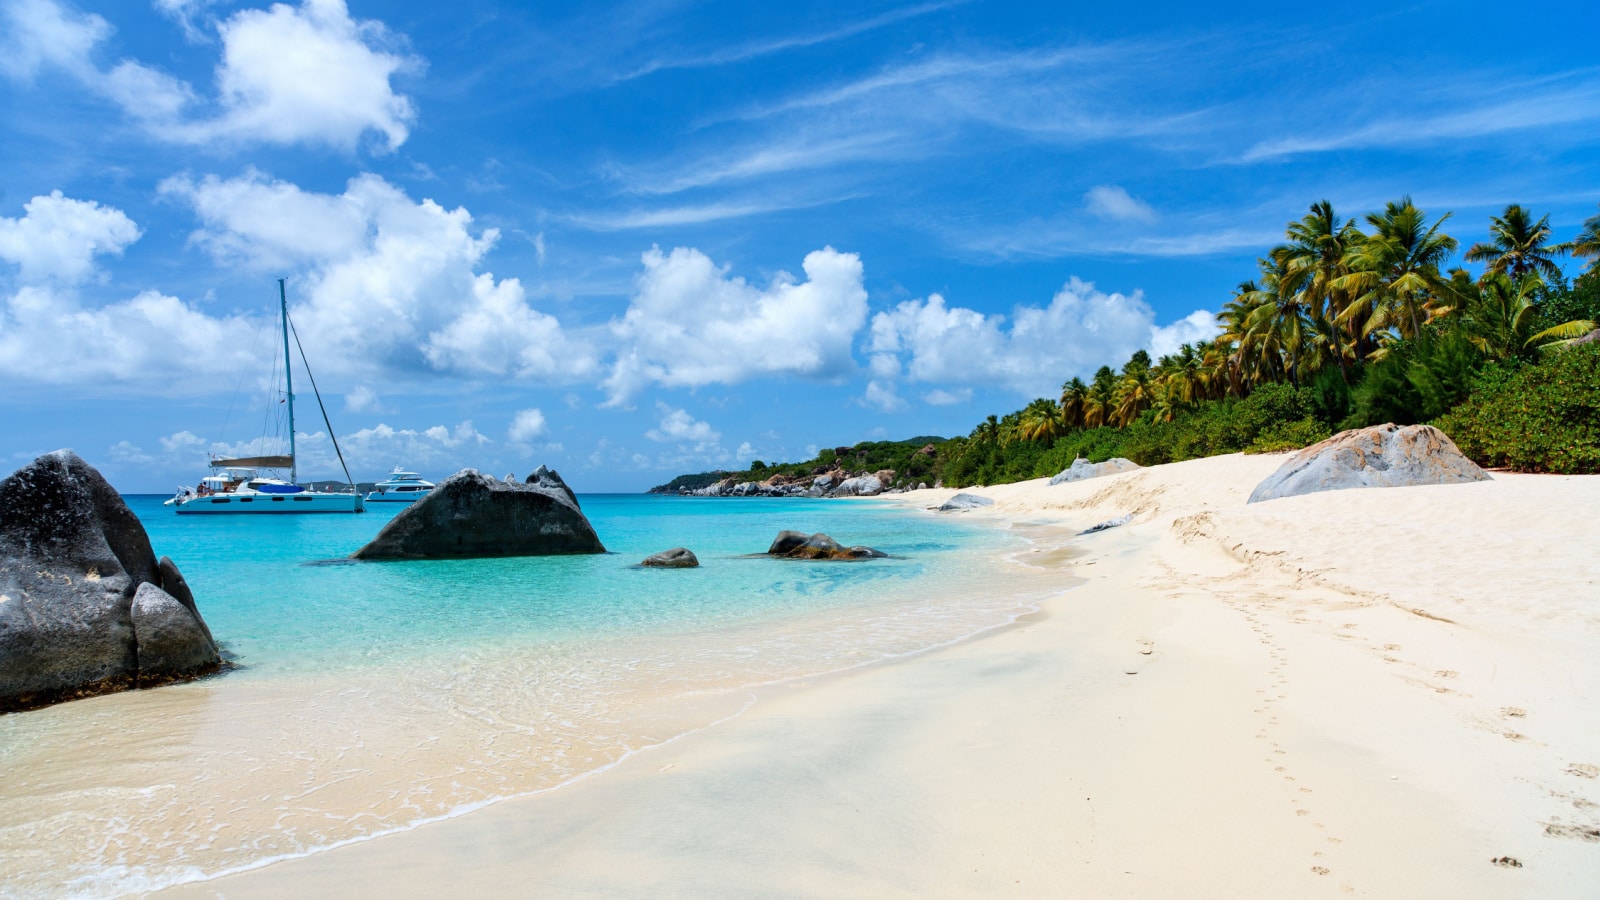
[
  {"x": 831, "y": 483},
  {"x": 1082, "y": 469},
  {"x": 1382, "y": 456},
  {"x": 471, "y": 514},
  {"x": 85, "y": 606}
]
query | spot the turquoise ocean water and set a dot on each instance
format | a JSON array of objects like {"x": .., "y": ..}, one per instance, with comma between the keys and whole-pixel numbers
[{"x": 373, "y": 697}]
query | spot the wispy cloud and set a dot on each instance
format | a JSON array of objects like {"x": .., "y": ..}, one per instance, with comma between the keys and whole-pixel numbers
[
  {"x": 695, "y": 214},
  {"x": 761, "y": 158},
  {"x": 1472, "y": 109},
  {"x": 754, "y": 49}
]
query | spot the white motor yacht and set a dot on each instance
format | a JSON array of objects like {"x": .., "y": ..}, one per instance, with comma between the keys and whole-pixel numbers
[{"x": 400, "y": 487}]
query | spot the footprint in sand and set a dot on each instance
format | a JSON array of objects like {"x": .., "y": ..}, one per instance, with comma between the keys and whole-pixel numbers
[
  {"x": 1320, "y": 870},
  {"x": 1515, "y": 712},
  {"x": 1446, "y": 673},
  {"x": 1146, "y": 647},
  {"x": 1579, "y": 832},
  {"x": 1583, "y": 770}
]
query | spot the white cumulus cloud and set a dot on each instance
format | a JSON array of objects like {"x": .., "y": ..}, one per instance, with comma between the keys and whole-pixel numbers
[
  {"x": 677, "y": 426},
  {"x": 527, "y": 426},
  {"x": 391, "y": 283},
  {"x": 1200, "y": 325},
  {"x": 49, "y": 333},
  {"x": 58, "y": 237},
  {"x": 288, "y": 75},
  {"x": 1030, "y": 354},
  {"x": 692, "y": 324}
]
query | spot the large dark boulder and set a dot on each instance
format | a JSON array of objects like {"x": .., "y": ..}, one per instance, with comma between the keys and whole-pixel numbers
[
  {"x": 471, "y": 514},
  {"x": 73, "y": 558},
  {"x": 1381, "y": 456},
  {"x": 795, "y": 545}
]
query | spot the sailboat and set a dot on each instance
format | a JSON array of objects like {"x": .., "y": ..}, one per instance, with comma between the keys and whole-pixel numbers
[{"x": 237, "y": 486}]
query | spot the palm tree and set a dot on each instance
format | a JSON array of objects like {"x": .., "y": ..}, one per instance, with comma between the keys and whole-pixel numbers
[
  {"x": 1135, "y": 393},
  {"x": 1587, "y": 243},
  {"x": 1097, "y": 407},
  {"x": 1041, "y": 421},
  {"x": 988, "y": 431},
  {"x": 1318, "y": 253},
  {"x": 1234, "y": 321},
  {"x": 1394, "y": 272},
  {"x": 1073, "y": 395},
  {"x": 1278, "y": 324},
  {"x": 1499, "y": 320},
  {"x": 1188, "y": 374},
  {"x": 1517, "y": 246}
]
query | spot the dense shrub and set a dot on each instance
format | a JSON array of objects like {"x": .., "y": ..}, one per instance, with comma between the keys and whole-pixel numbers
[{"x": 1543, "y": 418}]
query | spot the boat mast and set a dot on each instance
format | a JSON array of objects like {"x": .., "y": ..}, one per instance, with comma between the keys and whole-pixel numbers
[{"x": 288, "y": 377}]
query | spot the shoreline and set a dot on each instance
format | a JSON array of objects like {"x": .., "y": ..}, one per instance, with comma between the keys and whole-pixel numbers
[{"x": 1212, "y": 713}]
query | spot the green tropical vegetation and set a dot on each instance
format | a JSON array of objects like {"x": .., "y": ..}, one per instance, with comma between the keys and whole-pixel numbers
[{"x": 1343, "y": 325}]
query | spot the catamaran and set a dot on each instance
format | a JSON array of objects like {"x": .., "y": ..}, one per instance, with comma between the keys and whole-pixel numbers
[
  {"x": 237, "y": 486},
  {"x": 400, "y": 487}
]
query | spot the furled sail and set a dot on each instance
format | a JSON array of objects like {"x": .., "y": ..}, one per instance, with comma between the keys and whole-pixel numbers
[{"x": 254, "y": 462}]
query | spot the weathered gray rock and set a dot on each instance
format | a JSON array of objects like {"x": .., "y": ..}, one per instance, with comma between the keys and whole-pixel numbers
[
  {"x": 548, "y": 479},
  {"x": 1098, "y": 527},
  {"x": 1082, "y": 469},
  {"x": 170, "y": 639},
  {"x": 824, "y": 481},
  {"x": 797, "y": 545},
  {"x": 473, "y": 515},
  {"x": 1382, "y": 456},
  {"x": 966, "y": 501},
  {"x": 676, "y": 558},
  {"x": 859, "y": 486},
  {"x": 73, "y": 558}
]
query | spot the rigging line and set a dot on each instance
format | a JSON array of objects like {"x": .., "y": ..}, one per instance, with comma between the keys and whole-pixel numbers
[{"x": 318, "y": 394}]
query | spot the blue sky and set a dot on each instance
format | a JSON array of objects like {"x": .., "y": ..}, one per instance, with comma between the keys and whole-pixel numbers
[{"x": 640, "y": 239}]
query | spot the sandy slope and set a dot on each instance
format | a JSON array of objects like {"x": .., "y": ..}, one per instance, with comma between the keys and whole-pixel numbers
[{"x": 1370, "y": 693}]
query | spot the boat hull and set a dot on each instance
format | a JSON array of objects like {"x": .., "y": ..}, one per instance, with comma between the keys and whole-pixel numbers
[
  {"x": 271, "y": 504},
  {"x": 376, "y": 497}
]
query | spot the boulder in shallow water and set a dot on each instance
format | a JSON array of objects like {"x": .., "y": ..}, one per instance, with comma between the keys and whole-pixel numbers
[
  {"x": 965, "y": 501},
  {"x": 473, "y": 515},
  {"x": 1382, "y": 456},
  {"x": 73, "y": 560},
  {"x": 169, "y": 639},
  {"x": 676, "y": 558},
  {"x": 1082, "y": 469},
  {"x": 796, "y": 545}
]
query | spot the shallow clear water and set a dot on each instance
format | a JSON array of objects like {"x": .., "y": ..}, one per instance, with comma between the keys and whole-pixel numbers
[
  {"x": 372, "y": 697},
  {"x": 263, "y": 595}
]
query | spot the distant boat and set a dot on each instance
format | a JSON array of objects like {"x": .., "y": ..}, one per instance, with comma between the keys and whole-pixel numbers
[
  {"x": 236, "y": 485},
  {"x": 400, "y": 487}
]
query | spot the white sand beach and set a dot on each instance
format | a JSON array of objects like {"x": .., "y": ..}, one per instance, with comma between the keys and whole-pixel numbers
[{"x": 1374, "y": 693}]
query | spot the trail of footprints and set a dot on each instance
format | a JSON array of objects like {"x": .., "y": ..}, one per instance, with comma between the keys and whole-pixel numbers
[
  {"x": 1277, "y": 757},
  {"x": 1436, "y": 681}
]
